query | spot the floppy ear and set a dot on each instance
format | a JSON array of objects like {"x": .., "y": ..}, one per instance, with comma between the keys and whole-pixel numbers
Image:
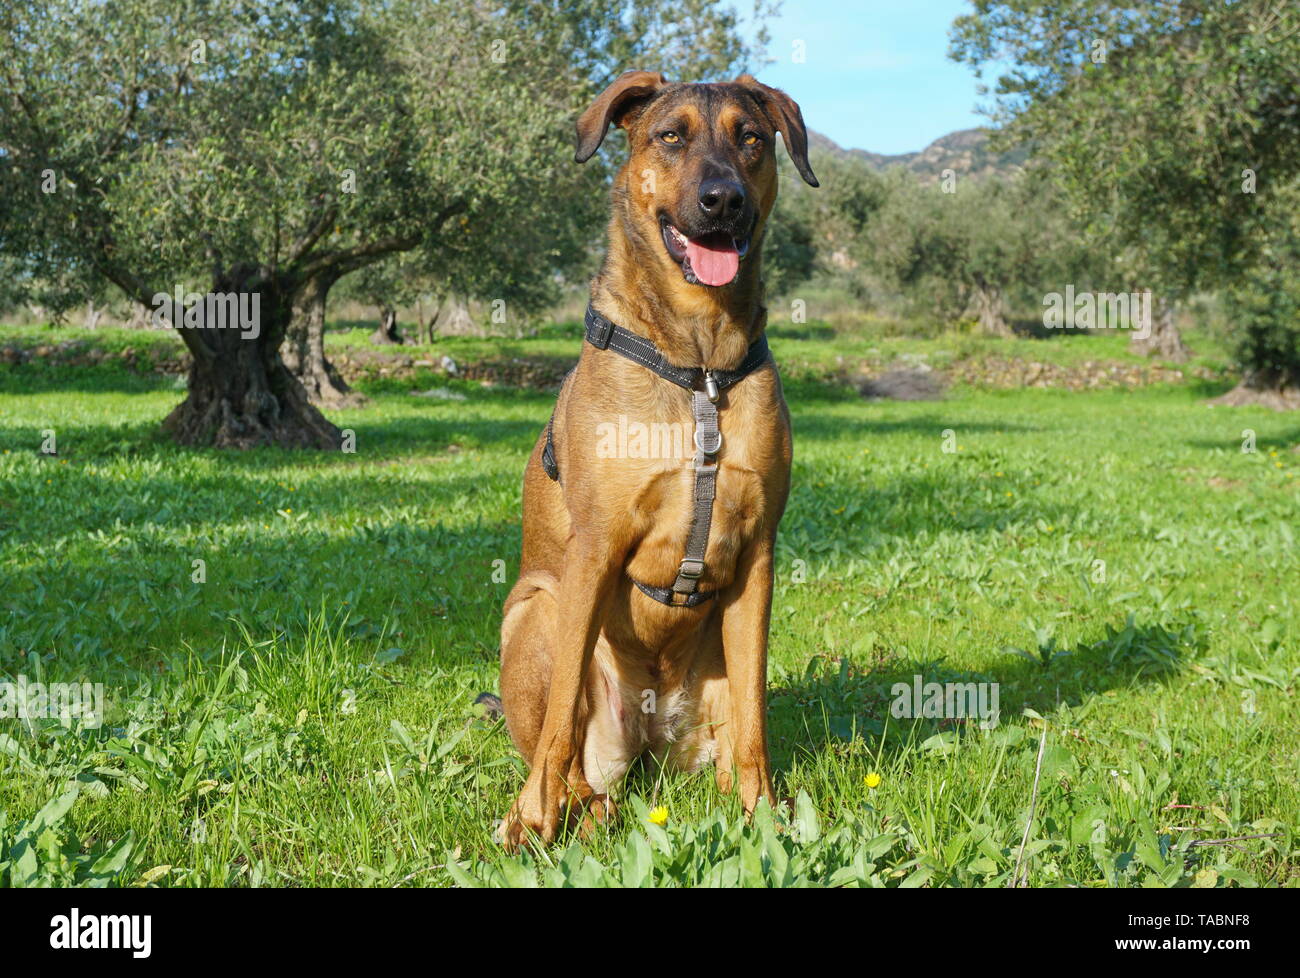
[
  {"x": 612, "y": 105},
  {"x": 783, "y": 112}
]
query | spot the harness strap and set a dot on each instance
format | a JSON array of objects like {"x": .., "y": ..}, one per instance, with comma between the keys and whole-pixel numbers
[
  {"x": 706, "y": 387},
  {"x": 665, "y": 595},
  {"x": 549, "y": 464},
  {"x": 605, "y": 335},
  {"x": 708, "y": 442}
]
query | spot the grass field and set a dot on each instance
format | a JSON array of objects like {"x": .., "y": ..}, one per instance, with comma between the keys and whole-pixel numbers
[{"x": 304, "y": 716}]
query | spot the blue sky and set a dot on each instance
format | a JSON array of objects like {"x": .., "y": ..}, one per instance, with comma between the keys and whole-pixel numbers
[{"x": 876, "y": 75}]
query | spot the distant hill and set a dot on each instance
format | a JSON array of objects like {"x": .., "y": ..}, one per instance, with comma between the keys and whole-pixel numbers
[{"x": 965, "y": 152}]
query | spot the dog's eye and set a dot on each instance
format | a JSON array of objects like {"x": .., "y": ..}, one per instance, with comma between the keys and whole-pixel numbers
[
  {"x": 670, "y": 137},
  {"x": 751, "y": 139}
]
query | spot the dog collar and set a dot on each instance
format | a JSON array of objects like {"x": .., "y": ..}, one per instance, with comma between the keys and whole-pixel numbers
[
  {"x": 605, "y": 335},
  {"x": 706, "y": 387}
]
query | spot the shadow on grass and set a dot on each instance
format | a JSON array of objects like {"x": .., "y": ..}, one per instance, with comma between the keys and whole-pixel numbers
[
  {"x": 232, "y": 486},
  {"x": 1034, "y": 329},
  {"x": 1200, "y": 387},
  {"x": 838, "y": 699},
  {"x": 429, "y": 424},
  {"x": 117, "y": 601},
  {"x": 42, "y": 378},
  {"x": 826, "y": 521},
  {"x": 819, "y": 427},
  {"x": 442, "y": 422},
  {"x": 1236, "y": 435},
  {"x": 432, "y": 427},
  {"x": 802, "y": 331}
]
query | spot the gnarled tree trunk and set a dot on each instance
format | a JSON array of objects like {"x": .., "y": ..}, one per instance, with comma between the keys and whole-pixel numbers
[
  {"x": 987, "y": 300},
  {"x": 304, "y": 346},
  {"x": 1165, "y": 340},
  {"x": 240, "y": 394},
  {"x": 455, "y": 319},
  {"x": 386, "y": 333}
]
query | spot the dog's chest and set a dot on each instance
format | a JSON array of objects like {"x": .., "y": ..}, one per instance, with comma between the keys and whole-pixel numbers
[{"x": 749, "y": 488}]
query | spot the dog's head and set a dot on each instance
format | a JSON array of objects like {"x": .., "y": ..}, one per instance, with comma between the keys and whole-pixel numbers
[{"x": 701, "y": 178}]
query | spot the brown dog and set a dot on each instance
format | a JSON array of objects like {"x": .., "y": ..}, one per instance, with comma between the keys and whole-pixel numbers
[{"x": 593, "y": 670}]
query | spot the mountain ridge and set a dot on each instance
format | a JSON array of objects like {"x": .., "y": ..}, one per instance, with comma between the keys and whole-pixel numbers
[{"x": 966, "y": 152}]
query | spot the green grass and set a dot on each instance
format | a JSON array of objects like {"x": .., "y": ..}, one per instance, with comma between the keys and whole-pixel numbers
[{"x": 304, "y": 717}]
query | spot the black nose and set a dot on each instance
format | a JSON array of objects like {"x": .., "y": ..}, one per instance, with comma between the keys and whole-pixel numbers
[{"x": 721, "y": 199}]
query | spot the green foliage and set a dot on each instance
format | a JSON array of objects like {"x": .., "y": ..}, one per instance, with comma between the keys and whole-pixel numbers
[
  {"x": 811, "y": 230},
  {"x": 995, "y": 244},
  {"x": 297, "y": 136},
  {"x": 1266, "y": 315},
  {"x": 1171, "y": 129},
  {"x": 1265, "y": 306},
  {"x": 1153, "y": 140},
  {"x": 790, "y": 245},
  {"x": 931, "y": 248},
  {"x": 778, "y": 849},
  {"x": 43, "y": 852}
]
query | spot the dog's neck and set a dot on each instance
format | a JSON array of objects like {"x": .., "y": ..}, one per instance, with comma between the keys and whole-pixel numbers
[{"x": 692, "y": 325}]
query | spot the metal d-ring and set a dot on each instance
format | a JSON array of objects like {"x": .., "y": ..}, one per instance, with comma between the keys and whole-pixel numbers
[{"x": 717, "y": 447}]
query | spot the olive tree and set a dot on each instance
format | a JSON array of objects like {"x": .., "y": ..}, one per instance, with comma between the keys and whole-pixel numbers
[
  {"x": 972, "y": 246},
  {"x": 1170, "y": 126},
  {"x": 220, "y": 157}
]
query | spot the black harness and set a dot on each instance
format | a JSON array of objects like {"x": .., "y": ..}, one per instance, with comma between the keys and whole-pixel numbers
[{"x": 706, "y": 387}]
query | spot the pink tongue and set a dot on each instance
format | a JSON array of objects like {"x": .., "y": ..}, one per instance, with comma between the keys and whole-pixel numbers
[{"x": 712, "y": 265}]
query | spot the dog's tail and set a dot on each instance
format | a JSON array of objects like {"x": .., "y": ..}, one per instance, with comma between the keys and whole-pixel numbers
[{"x": 491, "y": 703}]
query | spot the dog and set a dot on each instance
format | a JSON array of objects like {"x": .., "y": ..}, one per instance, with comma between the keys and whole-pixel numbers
[{"x": 602, "y": 658}]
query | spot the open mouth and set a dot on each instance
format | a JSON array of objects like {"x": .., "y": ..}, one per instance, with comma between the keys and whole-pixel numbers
[{"x": 710, "y": 259}]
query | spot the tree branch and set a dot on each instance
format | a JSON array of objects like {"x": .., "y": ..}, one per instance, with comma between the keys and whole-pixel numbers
[
  {"x": 351, "y": 259},
  {"x": 314, "y": 233}
]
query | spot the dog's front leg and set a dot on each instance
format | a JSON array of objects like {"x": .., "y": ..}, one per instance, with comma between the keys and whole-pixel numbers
[
  {"x": 745, "y": 619},
  {"x": 591, "y": 566}
]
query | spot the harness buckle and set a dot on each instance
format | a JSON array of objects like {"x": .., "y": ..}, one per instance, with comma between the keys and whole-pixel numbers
[
  {"x": 690, "y": 569},
  {"x": 599, "y": 331}
]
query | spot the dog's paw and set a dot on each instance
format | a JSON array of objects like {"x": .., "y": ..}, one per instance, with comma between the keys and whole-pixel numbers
[{"x": 528, "y": 821}]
